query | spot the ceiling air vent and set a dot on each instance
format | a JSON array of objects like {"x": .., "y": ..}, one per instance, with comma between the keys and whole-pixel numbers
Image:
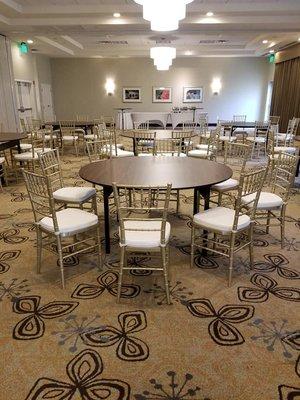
[
  {"x": 210, "y": 41},
  {"x": 113, "y": 42}
]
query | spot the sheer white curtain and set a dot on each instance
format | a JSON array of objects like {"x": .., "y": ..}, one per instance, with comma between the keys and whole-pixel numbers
[{"x": 8, "y": 109}]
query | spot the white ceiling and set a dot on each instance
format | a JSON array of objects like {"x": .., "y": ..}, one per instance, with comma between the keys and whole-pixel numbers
[{"x": 87, "y": 28}]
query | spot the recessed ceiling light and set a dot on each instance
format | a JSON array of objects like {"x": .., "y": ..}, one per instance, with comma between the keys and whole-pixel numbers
[
  {"x": 188, "y": 53},
  {"x": 209, "y": 14},
  {"x": 117, "y": 15},
  {"x": 29, "y": 41},
  {"x": 271, "y": 51},
  {"x": 299, "y": 39},
  {"x": 265, "y": 41}
]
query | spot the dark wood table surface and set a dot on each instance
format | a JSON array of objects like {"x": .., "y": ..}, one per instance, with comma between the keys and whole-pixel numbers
[
  {"x": 160, "y": 134},
  {"x": 11, "y": 139},
  {"x": 181, "y": 172}
]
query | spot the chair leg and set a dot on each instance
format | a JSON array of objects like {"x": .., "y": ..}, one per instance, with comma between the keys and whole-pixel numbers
[
  {"x": 282, "y": 226},
  {"x": 165, "y": 267},
  {"x": 219, "y": 198},
  {"x": 99, "y": 252},
  {"x": 39, "y": 249},
  {"x": 61, "y": 262},
  {"x": 192, "y": 245},
  {"x": 250, "y": 238},
  {"x": 122, "y": 258},
  {"x": 268, "y": 222},
  {"x": 231, "y": 253}
]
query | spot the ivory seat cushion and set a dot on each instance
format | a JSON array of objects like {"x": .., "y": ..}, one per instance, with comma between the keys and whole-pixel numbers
[
  {"x": 228, "y": 138},
  {"x": 285, "y": 149},
  {"x": 90, "y": 137},
  {"x": 80, "y": 130},
  {"x": 70, "y": 221},
  {"x": 26, "y": 156},
  {"x": 119, "y": 146},
  {"x": 205, "y": 135},
  {"x": 74, "y": 194},
  {"x": 220, "y": 219},
  {"x": 257, "y": 139},
  {"x": 141, "y": 238},
  {"x": 229, "y": 184},
  {"x": 266, "y": 201},
  {"x": 146, "y": 142},
  {"x": 145, "y": 155},
  {"x": 171, "y": 154},
  {"x": 199, "y": 153},
  {"x": 2, "y": 160},
  {"x": 283, "y": 136},
  {"x": 42, "y": 150},
  {"x": 25, "y": 146},
  {"x": 69, "y": 138},
  {"x": 203, "y": 146},
  {"x": 122, "y": 153}
]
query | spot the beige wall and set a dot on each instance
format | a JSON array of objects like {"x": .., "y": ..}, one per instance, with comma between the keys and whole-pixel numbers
[{"x": 78, "y": 85}]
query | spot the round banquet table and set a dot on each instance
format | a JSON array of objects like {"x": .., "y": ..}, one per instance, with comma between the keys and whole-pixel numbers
[
  {"x": 181, "y": 172},
  {"x": 160, "y": 134}
]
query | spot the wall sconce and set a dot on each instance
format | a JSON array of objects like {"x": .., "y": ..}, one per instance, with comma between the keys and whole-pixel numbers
[
  {"x": 216, "y": 86},
  {"x": 110, "y": 87}
]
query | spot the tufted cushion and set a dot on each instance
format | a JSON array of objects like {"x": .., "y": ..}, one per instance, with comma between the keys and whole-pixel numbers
[
  {"x": 220, "y": 219},
  {"x": 70, "y": 221},
  {"x": 266, "y": 201},
  {"x": 141, "y": 238},
  {"x": 74, "y": 194},
  {"x": 229, "y": 184}
]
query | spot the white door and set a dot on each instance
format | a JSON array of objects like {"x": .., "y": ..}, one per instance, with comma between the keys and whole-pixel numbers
[
  {"x": 26, "y": 100},
  {"x": 47, "y": 103}
]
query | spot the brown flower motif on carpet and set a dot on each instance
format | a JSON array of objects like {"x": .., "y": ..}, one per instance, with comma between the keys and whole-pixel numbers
[
  {"x": 11, "y": 236},
  {"x": 178, "y": 292},
  {"x": 33, "y": 325},
  {"x": 276, "y": 262},
  {"x": 129, "y": 347},
  {"x": 5, "y": 257},
  {"x": 200, "y": 260},
  {"x": 289, "y": 392},
  {"x": 83, "y": 372},
  {"x": 106, "y": 281},
  {"x": 264, "y": 287},
  {"x": 222, "y": 327}
]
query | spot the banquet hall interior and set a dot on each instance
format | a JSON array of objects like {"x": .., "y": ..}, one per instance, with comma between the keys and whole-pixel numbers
[{"x": 149, "y": 199}]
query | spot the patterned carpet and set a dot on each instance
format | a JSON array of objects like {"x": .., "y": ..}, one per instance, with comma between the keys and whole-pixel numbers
[{"x": 212, "y": 343}]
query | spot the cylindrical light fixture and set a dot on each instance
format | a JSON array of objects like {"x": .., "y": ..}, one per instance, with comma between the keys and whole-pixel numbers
[{"x": 163, "y": 57}]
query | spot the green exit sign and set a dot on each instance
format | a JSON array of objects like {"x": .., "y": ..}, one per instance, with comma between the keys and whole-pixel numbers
[
  {"x": 23, "y": 47},
  {"x": 271, "y": 58}
]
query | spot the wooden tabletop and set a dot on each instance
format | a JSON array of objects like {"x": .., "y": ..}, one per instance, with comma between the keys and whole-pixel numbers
[
  {"x": 8, "y": 136},
  {"x": 160, "y": 133},
  {"x": 181, "y": 172}
]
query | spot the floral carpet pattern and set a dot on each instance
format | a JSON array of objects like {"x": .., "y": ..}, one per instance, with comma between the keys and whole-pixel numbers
[{"x": 212, "y": 343}]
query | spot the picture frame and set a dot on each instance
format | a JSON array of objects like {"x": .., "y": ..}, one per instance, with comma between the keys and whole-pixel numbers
[
  {"x": 161, "y": 94},
  {"x": 132, "y": 95},
  {"x": 193, "y": 94}
]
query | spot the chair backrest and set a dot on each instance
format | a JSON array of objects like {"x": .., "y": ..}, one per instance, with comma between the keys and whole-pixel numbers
[
  {"x": 51, "y": 168},
  {"x": 99, "y": 149},
  {"x": 108, "y": 121},
  {"x": 23, "y": 125},
  {"x": 83, "y": 118},
  {"x": 144, "y": 141},
  {"x": 271, "y": 143},
  {"x": 274, "y": 119},
  {"x": 237, "y": 154},
  {"x": 167, "y": 147},
  {"x": 67, "y": 128},
  {"x": 141, "y": 125},
  {"x": 189, "y": 126},
  {"x": 226, "y": 128},
  {"x": 250, "y": 183},
  {"x": 284, "y": 175},
  {"x": 40, "y": 196},
  {"x": 239, "y": 118},
  {"x": 137, "y": 204},
  {"x": 184, "y": 138}
]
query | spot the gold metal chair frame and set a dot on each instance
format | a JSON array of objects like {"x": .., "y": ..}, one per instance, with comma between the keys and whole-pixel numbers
[
  {"x": 141, "y": 200},
  {"x": 67, "y": 128},
  {"x": 249, "y": 183},
  {"x": 43, "y": 205}
]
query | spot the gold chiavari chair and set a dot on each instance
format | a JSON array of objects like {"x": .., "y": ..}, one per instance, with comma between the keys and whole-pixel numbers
[
  {"x": 142, "y": 215},
  {"x": 285, "y": 141},
  {"x": 208, "y": 150},
  {"x": 144, "y": 142},
  {"x": 51, "y": 168},
  {"x": 236, "y": 156},
  {"x": 141, "y": 125},
  {"x": 99, "y": 150},
  {"x": 226, "y": 132},
  {"x": 169, "y": 148},
  {"x": 3, "y": 175},
  {"x": 66, "y": 232},
  {"x": 226, "y": 223},
  {"x": 259, "y": 140},
  {"x": 272, "y": 204},
  {"x": 68, "y": 135}
]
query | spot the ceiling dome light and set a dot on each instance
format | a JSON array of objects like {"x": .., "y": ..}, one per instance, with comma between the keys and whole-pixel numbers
[
  {"x": 265, "y": 41},
  {"x": 209, "y": 14},
  {"x": 117, "y": 15},
  {"x": 29, "y": 41},
  {"x": 163, "y": 57},
  {"x": 156, "y": 11}
]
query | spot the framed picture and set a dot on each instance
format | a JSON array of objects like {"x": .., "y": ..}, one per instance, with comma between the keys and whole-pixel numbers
[
  {"x": 192, "y": 94},
  {"x": 132, "y": 95},
  {"x": 162, "y": 95}
]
